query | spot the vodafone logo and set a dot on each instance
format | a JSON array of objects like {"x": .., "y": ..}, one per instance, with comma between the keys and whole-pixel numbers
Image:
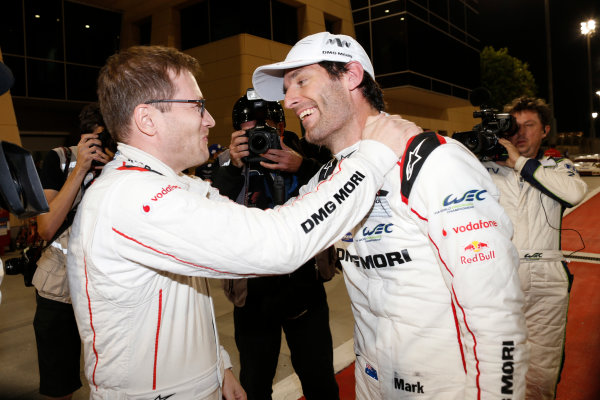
[
  {"x": 164, "y": 192},
  {"x": 475, "y": 226}
]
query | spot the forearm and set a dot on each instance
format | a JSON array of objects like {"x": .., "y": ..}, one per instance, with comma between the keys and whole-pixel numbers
[{"x": 60, "y": 203}]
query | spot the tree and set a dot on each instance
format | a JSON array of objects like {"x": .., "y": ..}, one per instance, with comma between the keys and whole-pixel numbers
[{"x": 505, "y": 76}]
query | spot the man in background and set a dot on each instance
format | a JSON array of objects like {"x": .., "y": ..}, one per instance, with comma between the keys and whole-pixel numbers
[
  {"x": 65, "y": 173},
  {"x": 296, "y": 302},
  {"x": 535, "y": 190}
]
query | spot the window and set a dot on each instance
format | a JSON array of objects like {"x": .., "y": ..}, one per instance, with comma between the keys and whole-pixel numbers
[
  {"x": 268, "y": 19},
  {"x": 334, "y": 24},
  {"x": 439, "y": 7},
  {"x": 64, "y": 41},
  {"x": 145, "y": 31},
  {"x": 457, "y": 14},
  {"x": 46, "y": 79},
  {"x": 389, "y": 45},
  {"x": 356, "y": 4},
  {"x": 17, "y": 67},
  {"x": 91, "y": 34},
  {"x": 285, "y": 23},
  {"x": 82, "y": 82},
  {"x": 11, "y": 27},
  {"x": 195, "y": 25},
  {"x": 43, "y": 22}
]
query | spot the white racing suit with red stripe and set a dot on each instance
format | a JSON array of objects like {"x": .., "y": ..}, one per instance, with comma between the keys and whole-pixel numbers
[
  {"x": 143, "y": 243},
  {"x": 432, "y": 277},
  {"x": 534, "y": 195}
]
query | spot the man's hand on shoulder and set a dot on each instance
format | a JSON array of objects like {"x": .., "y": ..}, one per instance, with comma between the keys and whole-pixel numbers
[
  {"x": 513, "y": 153},
  {"x": 391, "y": 130},
  {"x": 286, "y": 159}
]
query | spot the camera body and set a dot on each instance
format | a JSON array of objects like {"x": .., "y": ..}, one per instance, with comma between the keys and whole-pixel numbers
[
  {"x": 261, "y": 138},
  {"x": 107, "y": 142},
  {"x": 483, "y": 139}
]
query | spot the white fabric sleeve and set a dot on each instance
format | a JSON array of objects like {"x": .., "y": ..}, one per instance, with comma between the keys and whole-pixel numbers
[{"x": 186, "y": 232}]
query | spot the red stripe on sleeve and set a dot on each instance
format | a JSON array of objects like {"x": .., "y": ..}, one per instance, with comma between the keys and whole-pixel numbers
[{"x": 176, "y": 258}]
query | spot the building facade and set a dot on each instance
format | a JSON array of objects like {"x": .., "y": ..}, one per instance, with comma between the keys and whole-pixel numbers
[{"x": 425, "y": 52}]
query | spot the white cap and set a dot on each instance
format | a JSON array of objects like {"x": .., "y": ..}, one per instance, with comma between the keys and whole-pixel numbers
[{"x": 324, "y": 46}]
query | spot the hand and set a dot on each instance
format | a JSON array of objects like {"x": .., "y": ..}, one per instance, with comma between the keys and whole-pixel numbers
[
  {"x": 286, "y": 159},
  {"x": 238, "y": 148},
  {"x": 232, "y": 390},
  {"x": 513, "y": 153},
  {"x": 391, "y": 130},
  {"x": 88, "y": 150}
]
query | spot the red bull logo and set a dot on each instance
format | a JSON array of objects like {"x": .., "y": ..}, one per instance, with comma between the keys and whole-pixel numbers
[
  {"x": 476, "y": 246},
  {"x": 479, "y": 255}
]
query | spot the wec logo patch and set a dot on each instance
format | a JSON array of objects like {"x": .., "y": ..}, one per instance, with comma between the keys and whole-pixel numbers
[{"x": 468, "y": 196}]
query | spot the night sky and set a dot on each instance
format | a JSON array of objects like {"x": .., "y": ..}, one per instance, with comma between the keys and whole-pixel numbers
[{"x": 519, "y": 26}]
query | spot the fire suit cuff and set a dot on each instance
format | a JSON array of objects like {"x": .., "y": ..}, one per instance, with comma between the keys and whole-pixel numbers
[
  {"x": 225, "y": 358},
  {"x": 520, "y": 163},
  {"x": 381, "y": 156}
]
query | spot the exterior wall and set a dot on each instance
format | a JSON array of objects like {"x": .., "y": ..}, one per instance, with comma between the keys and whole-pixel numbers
[
  {"x": 228, "y": 64},
  {"x": 448, "y": 120}
]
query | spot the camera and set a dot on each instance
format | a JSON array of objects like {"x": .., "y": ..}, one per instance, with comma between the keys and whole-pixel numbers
[
  {"x": 483, "y": 139},
  {"x": 26, "y": 264},
  {"x": 261, "y": 138},
  {"x": 107, "y": 142}
]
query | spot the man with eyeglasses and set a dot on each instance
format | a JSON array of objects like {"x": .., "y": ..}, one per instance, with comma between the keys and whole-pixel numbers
[{"x": 146, "y": 236}]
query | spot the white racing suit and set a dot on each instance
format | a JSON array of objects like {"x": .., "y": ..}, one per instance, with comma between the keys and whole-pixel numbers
[
  {"x": 143, "y": 243},
  {"x": 432, "y": 277},
  {"x": 534, "y": 195}
]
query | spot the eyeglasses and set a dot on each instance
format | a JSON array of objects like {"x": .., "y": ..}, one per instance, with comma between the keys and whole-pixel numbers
[{"x": 199, "y": 103}]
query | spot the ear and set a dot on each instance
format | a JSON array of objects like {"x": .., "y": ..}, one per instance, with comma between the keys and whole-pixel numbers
[
  {"x": 354, "y": 75},
  {"x": 546, "y": 131},
  {"x": 144, "y": 118}
]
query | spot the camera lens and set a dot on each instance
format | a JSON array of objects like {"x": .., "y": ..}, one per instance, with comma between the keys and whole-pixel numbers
[
  {"x": 259, "y": 143},
  {"x": 14, "y": 266}
]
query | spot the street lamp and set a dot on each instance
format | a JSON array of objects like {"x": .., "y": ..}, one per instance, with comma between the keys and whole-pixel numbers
[{"x": 587, "y": 29}]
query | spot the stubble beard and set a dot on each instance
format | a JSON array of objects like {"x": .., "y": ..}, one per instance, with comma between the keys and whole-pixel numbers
[{"x": 334, "y": 113}]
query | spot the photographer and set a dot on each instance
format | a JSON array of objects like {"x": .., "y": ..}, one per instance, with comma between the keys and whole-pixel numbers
[
  {"x": 534, "y": 191},
  {"x": 64, "y": 175},
  {"x": 296, "y": 302}
]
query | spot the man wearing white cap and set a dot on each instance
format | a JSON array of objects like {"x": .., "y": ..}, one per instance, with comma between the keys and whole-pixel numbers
[{"x": 431, "y": 271}]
